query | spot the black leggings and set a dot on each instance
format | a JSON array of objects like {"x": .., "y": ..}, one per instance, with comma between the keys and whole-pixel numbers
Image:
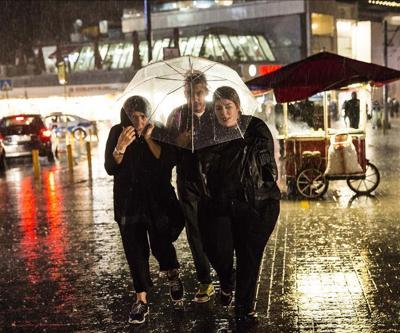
[
  {"x": 246, "y": 231},
  {"x": 135, "y": 239}
]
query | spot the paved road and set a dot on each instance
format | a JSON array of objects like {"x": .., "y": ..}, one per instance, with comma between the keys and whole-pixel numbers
[{"x": 330, "y": 266}]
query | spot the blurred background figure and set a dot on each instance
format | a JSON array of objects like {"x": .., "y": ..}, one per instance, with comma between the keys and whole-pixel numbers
[
  {"x": 394, "y": 108},
  {"x": 352, "y": 111},
  {"x": 332, "y": 108},
  {"x": 376, "y": 115}
]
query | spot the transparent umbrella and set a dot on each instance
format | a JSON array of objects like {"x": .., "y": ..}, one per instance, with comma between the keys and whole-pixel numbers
[{"x": 167, "y": 85}]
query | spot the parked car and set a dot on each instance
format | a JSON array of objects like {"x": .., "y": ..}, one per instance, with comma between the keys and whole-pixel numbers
[
  {"x": 61, "y": 123},
  {"x": 2, "y": 155},
  {"x": 23, "y": 133}
]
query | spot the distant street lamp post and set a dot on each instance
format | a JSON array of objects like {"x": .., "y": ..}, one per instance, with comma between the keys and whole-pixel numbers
[
  {"x": 147, "y": 14},
  {"x": 385, "y": 88},
  {"x": 394, "y": 20}
]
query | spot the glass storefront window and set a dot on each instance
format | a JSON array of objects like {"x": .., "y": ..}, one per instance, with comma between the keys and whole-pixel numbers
[
  {"x": 157, "y": 47},
  {"x": 227, "y": 45},
  {"x": 72, "y": 58},
  {"x": 218, "y": 47},
  {"x": 117, "y": 53},
  {"x": 220, "y": 53},
  {"x": 103, "y": 48},
  {"x": 197, "y": 45},
  {"x": 190, "y": 45},
  {"x": 266, "y": 48},
  {"x": 207, "y": 50},
  {"x": 127, "y": 56},
  {"x": 251, "y": 47},
  {"x": 238, "y": 52},
  {"x": 86, "y": 57},
  {"x": 143, "y": 51},
  {"x": 182, "y": 45}
]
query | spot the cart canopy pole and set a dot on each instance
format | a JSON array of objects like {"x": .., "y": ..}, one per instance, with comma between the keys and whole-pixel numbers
[
  {"x": 326, "y": 115},
  {"x": 285, "y": 119}
]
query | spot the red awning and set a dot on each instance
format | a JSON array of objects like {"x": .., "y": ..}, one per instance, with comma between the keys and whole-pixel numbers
[{"x": 320, "y": 72}]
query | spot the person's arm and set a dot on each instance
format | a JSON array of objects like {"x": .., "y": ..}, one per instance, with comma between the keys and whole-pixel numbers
[
  {"x": 118, "y": 140},
  {"x": 127, "y": 136}
]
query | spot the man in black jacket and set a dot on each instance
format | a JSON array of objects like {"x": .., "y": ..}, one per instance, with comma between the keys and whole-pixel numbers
[{"x": 191, "y": 127}]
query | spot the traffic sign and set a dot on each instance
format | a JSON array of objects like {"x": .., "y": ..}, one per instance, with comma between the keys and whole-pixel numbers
[{"x": 5, "y": 85}]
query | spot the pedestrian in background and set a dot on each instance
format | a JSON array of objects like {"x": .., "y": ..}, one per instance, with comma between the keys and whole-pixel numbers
[
  {"x": 352, "y": 110},
  {"x": 190, "y": 126},
  {"x": 143, "y": 196},
  {"x": 376, "y": 115},
  {"x": 241, "y": 202}
]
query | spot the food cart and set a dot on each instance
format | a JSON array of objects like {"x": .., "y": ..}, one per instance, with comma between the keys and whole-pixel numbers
[{"x": 311, "y": 154}]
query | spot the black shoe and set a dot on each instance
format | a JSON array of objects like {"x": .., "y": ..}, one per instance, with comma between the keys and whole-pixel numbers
[
  {"x": 175, "y": 286},
  {"x": 247, "y": 320},
  {"x": 226, "y": 297},
  {"x": 139, "y": 312}
]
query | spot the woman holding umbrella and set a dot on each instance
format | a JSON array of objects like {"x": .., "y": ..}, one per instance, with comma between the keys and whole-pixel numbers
[
  {"x": 243, "y": 198},
  {"x": 143, "y": 198}
]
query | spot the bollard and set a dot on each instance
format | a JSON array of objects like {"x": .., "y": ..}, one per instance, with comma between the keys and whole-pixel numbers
[
  {"x": 35, "y": 161},
  {"x": 89, "y": 157},
  {"x": 70, "y": 158}
]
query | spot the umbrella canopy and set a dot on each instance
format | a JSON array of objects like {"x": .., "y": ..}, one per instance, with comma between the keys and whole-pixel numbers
[
  {"x": 320, "y": 72},
  {"x": 163, "y": 84}
]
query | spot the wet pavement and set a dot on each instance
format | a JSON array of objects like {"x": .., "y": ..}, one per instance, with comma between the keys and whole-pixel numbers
[{"x": 331, "y": 265}]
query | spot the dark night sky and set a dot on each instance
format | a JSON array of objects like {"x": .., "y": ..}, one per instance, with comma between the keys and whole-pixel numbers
[{"x": 30, "y": 21}]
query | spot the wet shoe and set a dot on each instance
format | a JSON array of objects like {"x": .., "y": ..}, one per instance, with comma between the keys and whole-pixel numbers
[
  {"x": 204, "y": 293},
  {"x": 226, "y": 297},
  {"x": 139, "y": 312},
  {"x": 247, "y": 320},
  {"x": 176, "y": 290}
]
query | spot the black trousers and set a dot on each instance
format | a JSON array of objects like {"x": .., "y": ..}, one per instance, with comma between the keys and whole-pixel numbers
[
  {"x": 245, "y": 231},
  {"x": 189, "y": 197},
  {"x": 135, "y": 239}
]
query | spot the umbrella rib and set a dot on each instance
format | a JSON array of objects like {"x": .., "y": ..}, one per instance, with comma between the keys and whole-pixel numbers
[
  {"x": 172, "y": 67},
  {"x": 166, "y": 95}
]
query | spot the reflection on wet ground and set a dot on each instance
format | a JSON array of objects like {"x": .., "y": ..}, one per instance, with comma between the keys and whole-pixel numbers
[{"x": 330, "y": 266}]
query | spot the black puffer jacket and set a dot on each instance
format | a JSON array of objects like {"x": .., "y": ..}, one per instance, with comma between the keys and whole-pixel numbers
[
  {"x": 141, "y": 182},
  {"x": 241, "y": 169}
]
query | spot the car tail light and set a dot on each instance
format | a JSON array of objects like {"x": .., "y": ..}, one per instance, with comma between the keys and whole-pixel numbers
[{"x": 45, "y": 134}]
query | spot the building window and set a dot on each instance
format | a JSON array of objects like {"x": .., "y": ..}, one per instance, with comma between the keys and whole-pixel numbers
[
  {"x": 322, "y": 25},
  {"x": 345, "y": 32}
]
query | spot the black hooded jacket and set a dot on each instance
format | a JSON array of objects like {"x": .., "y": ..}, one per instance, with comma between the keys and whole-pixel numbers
[
  {"x": 141, "y": 181},
  {"x": 241, "y": 169}
]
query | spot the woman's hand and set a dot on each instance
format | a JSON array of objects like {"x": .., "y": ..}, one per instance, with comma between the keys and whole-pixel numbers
[
  {"x": 147, "y": 131},
  {"x": 127, "y": 136}
]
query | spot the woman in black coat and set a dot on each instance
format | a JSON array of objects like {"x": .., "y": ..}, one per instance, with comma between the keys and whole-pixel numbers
[
  {"x": 143, "y": 197},
  {"x": 242, "y": 201}
]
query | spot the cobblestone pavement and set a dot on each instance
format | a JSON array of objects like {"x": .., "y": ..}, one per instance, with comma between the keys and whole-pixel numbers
[{"x": 330, "y": 266}]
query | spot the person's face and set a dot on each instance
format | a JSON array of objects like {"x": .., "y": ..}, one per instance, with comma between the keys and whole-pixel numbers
[
  {"x": 139, "y": 121},
  {"x": 227, "y": 112},
  {"x": 196, "y": 97}
]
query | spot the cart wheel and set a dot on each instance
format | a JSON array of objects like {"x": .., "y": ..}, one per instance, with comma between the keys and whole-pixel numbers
[
  {"x": 311, "y": 183},
  {"x": 367, "y": 185}
]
